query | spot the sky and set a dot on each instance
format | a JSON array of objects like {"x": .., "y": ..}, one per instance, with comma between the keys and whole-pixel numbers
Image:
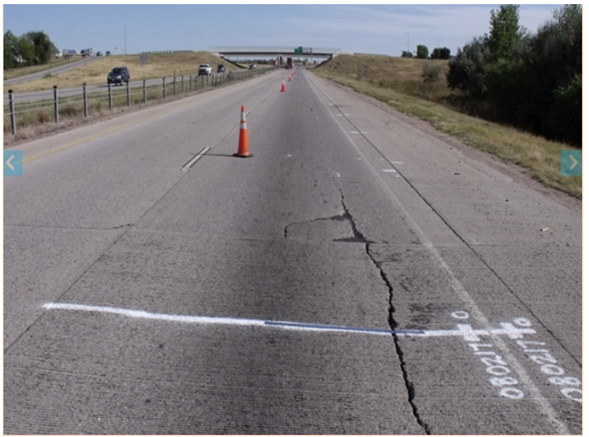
[{"x": 387, "y": 29}]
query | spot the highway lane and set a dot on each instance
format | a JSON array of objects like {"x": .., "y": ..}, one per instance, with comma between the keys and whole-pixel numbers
[{"x": 145, "y": 297}]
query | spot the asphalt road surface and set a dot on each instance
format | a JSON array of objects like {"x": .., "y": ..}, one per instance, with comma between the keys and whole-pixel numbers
[{"x": 355, "y": 276}]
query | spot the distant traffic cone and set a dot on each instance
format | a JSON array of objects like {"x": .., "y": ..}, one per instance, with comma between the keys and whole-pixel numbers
[
  {"x": 290, "y": 78},
  {"x": 283, "y": 86},
  {"x": 243, "y": 148}
]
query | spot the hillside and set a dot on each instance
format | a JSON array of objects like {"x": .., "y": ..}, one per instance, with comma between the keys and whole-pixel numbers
[
  {"x": 157, "y": 66},
  {"x": 378, "y": 68}
]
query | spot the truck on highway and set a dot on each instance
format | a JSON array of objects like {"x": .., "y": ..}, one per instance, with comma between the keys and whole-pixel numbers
[
  {"x": 288, "y": 63},
  {"x": 67, "y": 53},
  {"x": 205, "y": 70},
  {"x": 86, "y": 52}
]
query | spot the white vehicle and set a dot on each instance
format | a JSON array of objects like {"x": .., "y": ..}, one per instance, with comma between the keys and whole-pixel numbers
[
  {"x": 205, "y": 70},
  {"x": 68, "y": 53}
]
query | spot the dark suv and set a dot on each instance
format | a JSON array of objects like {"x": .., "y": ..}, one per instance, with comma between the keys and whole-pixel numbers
[
  {"x": 118, "y": 75},
  {"x": 221, "y": 68}
]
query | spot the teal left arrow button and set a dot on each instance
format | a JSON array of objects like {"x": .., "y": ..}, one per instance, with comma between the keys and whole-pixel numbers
[{"x": 13, "y": 162}]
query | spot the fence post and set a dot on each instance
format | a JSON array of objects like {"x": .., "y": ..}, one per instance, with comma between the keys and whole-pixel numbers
[
  {"x": 182, "y": 84},
  {"x": 144, "y": 92},
  {"x": 55, "y": 104},
  {"x": 85, "y": 97},
  {"x": 12, "y": 114},
  {"x": 110, "y": 96},
  {"x": 190, "y": 84},
  {"x": 164, "y": 79},
  {"x": 174, "y": 86},
  {"x": 128, "y": 96}
]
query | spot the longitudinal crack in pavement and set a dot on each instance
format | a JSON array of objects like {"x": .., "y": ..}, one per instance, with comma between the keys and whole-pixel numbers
[{"x": 359, "y": 237}]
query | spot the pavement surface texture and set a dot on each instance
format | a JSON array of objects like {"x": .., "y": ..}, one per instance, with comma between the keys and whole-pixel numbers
[{"x": 357, "y": 275}]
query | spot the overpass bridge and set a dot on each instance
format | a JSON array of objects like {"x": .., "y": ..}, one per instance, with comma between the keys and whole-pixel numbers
[{"x": 295, "y": 52}]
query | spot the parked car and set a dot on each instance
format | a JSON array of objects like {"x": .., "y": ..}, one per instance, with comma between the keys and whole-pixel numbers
[
  {"x": 205, "y": 70},
  {"x": 220, "y": 68},
  {"x": 253, "y": 67},
  {"x": 98, "y": 53},
  {"x": 118, "y": 75}
]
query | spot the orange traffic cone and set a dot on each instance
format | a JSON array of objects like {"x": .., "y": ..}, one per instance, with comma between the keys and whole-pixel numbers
[
  {"x": 243, "y": 149},
  {"x": 290, "y": 78},
  {"x": 283, "y": 86}
]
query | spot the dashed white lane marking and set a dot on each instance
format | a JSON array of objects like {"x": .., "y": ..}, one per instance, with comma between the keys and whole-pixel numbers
[{"x": 193, "y": 161}]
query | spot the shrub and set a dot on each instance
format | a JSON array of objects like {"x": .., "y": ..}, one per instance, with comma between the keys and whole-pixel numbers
[{"x": 431, "y": 73}]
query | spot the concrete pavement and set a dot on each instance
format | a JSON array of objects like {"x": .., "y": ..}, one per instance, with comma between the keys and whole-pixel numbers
[{"x": 137, "y": 294}]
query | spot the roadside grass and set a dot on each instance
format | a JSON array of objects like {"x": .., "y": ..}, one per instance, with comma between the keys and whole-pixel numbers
[
  {"x": 40, "y": 122},
  {"x": 398, "y": 82},
  {"x": 157, "y": 66},
  {"x": 24, "y": 71}
]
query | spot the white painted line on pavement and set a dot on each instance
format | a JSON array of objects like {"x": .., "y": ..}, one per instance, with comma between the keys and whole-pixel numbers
[
  {"x": 497, "y": 366},
  {"x": 205, "y": 320},
  {"x": 463, "y": 330},
  {"x": 195, "y": 159}
]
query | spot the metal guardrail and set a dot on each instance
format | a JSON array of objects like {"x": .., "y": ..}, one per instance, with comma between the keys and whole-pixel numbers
[{"x": 47, "y": 110}]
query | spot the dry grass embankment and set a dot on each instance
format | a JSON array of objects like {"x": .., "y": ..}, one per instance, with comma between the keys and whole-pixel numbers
[
  {"x": 95, "y": 73},
  {"x": 398, "y": 82}
]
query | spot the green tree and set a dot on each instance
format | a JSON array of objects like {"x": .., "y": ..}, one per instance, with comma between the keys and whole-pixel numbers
[
  {"x": 43, "y": 47},
  {"x": 422, "y": 52},
  {"x": 10, "y": 50},
  {"x": 32, "y": 48},
  {"x": 556, "y": 59},
  {"x": 440, "y": 53},
  {"x": 466, "y": 69},
  {"x": 25, "y": 52},
  {"x": 505, "y": 31}
]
